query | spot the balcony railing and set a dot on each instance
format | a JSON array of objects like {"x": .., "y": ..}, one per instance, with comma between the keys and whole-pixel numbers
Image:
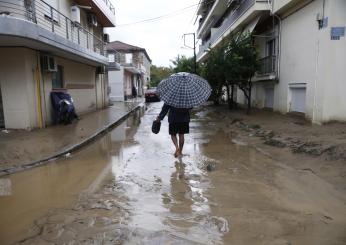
[
  {"x": 47, "y": 17},
  {"x": 267, "y": 65},
  {"x": 228, "y": 22},
  {"x": 109, "y": 5}
]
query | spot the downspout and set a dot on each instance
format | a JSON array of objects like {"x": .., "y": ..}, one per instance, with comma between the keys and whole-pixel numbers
[
  {"x": 279, "y": 38},
  {"x": 38, "y": 91},
  {"x": 96, "y": 90}
]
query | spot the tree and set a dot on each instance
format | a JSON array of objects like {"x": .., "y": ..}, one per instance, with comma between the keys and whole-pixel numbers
[
  {"x": 183, "y": 64},
  {"x": 157, "y": 73},
  {"x": 242, "y": 63},
  {"x": 213, "y": 71},
  {"x": 232, "y": 63}
]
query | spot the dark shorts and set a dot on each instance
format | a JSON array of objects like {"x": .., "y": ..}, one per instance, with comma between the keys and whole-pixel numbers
[{"x": 178, "y": 128}]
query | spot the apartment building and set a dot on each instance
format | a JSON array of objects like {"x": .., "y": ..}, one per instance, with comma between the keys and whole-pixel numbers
[
  {"x": 133, "y": 75},
  {"x": 51, "y": 45},
  {"x": 301, "y": 46}
]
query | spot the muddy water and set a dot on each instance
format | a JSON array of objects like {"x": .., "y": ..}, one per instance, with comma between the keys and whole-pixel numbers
[{"x": 127, "y": 188}]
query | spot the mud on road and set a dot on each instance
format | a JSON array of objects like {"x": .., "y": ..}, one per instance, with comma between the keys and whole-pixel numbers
[{"x": 228, "y": 188}]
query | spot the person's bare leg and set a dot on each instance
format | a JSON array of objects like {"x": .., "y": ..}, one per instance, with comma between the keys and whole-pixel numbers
[
  {"x": 175, "y": 142},
  {"x": 181, "y": 143}
]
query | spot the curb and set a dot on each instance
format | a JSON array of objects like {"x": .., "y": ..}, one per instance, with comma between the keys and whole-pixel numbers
[{"x": 72, "y": 148}]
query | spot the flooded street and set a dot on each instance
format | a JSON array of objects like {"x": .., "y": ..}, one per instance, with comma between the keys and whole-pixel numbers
[{"x": 127, "y": 188}]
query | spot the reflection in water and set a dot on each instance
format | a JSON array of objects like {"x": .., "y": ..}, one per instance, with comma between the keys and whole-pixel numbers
[{"x": 57, "y": 185}]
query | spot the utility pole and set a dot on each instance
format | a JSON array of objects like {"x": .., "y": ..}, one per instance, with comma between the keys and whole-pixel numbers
[{"x": 194, "y": 49}]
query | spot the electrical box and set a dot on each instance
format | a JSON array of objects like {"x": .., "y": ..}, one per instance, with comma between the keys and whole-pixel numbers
[{"x": 75, "y": 14}]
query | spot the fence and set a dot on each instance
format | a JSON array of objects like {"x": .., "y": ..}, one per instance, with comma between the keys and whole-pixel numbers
[
  {"x": 47, "y": 17},
  {"x": 267, "y": 65}
]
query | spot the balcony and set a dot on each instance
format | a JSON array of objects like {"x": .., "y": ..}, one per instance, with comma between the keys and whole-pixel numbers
[
  {"x": 267, "y": 69},
  {"x": 267, "y": 65},
  {"x": 35, "y": 24},
  {"x": 103, "y": 9},
  {"x": 241, "y": 15}
]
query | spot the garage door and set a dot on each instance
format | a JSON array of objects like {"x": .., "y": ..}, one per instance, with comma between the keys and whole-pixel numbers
[
  {"x": 298, "y": 96},
  {"x": 269, "y": 98}
]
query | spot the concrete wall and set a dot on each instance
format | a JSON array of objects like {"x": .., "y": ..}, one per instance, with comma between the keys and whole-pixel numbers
[
  {"x": 18, "y": 87},
  {"x": 298, "y": 57},
  {"x": 308, "y": 55},
  {"x": 79, "y": 79},
  {"x": 331, "y": 64}
]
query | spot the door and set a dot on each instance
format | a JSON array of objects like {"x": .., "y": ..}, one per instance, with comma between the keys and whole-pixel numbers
[
  {"x": 269, "y": 98},
  {"x": 298, "y": 96},
  {"x": 2, "y": 119}
]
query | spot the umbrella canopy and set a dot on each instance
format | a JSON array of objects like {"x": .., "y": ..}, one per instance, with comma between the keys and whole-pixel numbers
[{"x": 184, "y": 90}]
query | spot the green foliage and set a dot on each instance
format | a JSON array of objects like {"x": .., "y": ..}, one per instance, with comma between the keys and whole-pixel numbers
[
  {"x": 233, "y": 62},
  {"x": 213, "y": 71},
  {"x": 158, "y": 73},
  {"x": 183, "y": 64}
]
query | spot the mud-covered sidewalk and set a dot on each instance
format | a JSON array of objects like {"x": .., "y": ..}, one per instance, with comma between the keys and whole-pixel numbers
[
  {"x": 288, "y": 137},
  {"x": 22, "y": 149}
]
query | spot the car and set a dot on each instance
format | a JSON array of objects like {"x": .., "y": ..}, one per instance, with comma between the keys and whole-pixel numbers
[{"x": 151, "y": 95}]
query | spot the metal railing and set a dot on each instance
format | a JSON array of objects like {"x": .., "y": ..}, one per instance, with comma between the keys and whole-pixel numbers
[
  {"x": 267, "y": 65},
  {"x": 47, "y": 17},
  {"x": 228, "y": 22}
]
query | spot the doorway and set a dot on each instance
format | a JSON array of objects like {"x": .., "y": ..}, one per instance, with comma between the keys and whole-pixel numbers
[
  {"x": 269, "y": 98},
  {"x": 298, "y": 99}
]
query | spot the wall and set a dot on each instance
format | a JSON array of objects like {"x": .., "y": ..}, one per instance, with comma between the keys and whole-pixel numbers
[
  {"x": 331, "y": 82},
  {"x": 18, "y": 87},
  {"x": 298, "y": 57},
  {"x": 79, "y": 79}
]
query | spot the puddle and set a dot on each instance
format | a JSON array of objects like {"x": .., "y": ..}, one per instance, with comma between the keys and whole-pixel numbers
[{"x": 127, "y": 188}]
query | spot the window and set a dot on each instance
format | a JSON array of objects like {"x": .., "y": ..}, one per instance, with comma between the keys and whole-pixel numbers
[
  {"x": 58, "y": 78},
  {"x": 128, "y": 58},
  {"x": 270, "y": 46},
  {"x": 111, "y": 58}
]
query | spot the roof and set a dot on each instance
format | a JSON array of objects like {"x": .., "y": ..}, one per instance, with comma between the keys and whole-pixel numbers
[{"x": 124, "y": 47}]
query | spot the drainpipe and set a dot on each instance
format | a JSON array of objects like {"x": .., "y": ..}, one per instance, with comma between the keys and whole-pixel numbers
[
  {"x": 38, "y": 91},
  {"x": 279, "y": 37}
]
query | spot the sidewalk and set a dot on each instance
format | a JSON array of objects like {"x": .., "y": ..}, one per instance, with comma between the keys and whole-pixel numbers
[{"x": 21, "y": 149}]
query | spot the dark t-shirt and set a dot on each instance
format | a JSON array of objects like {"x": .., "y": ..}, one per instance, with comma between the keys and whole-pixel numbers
[{"x": 175, "y": 115}]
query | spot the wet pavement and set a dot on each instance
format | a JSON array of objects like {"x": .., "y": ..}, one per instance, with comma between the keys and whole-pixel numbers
[
  {"x": 22, "y": 149},
  {"x": 127, "y": 188}
]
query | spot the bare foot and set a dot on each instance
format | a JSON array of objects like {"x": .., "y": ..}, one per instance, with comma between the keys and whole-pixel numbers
[{"x": 176, "y": 153}]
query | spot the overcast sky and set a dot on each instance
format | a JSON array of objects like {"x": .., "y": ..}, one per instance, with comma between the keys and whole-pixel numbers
[{"x": 161, "y": 38}]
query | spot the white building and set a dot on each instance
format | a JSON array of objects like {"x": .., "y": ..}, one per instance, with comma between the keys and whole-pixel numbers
[
  {"x": 51, "y": 45},
  {"x": 302, "y": 48},
  {"x": 132, "y": 76}
]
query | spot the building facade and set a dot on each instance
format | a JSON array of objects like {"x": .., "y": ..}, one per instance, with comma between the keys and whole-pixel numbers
[
  {"x": 133, "y": 75},
  {"x": 47, "y": 46},
  {"x": 301, "y": 46}
]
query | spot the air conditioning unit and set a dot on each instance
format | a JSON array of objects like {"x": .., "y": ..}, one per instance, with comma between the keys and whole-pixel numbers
[
  {"x": 106, "y": 38},
  {"x": 49, "y": 63},
  {"x": 75, "y": 14},
  {"x": 92, "y": 20}
]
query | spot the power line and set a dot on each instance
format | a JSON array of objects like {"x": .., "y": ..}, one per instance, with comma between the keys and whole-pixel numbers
[{"x": 176, "y": 12}]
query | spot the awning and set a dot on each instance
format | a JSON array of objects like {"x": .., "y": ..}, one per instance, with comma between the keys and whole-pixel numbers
[
  {"x": 132, "y": 70},
  {"x": 251, "y": 26}
]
